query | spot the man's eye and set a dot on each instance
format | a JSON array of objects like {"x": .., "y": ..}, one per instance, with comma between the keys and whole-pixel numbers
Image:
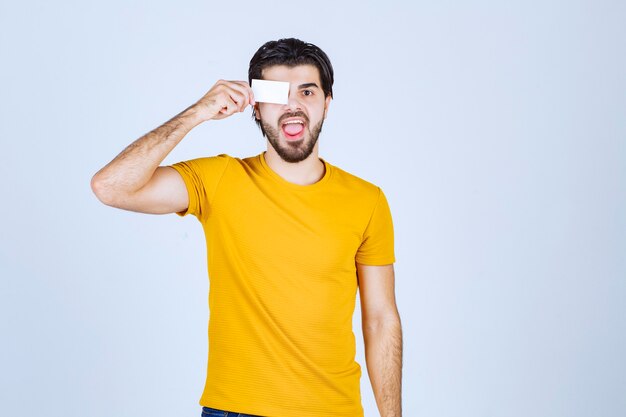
[{"x": 307, "y": 92}]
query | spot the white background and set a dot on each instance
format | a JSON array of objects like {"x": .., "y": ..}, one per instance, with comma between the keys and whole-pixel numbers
[{"x": 496, "y": 129}]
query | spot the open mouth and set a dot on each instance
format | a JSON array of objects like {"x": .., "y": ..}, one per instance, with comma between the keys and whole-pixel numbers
[{"x": 293, "y": 129}]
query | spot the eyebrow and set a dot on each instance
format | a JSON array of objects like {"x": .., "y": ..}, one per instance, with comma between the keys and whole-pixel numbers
[{"x": 308, "y": 85}]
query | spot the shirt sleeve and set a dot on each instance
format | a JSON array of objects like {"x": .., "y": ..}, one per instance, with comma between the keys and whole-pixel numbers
[
  {"x": 377, "y": 246},
  {"x": 202, "y": 177}
]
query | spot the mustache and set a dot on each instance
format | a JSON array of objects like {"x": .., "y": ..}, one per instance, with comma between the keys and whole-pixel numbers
[{"x": 293, "y": 114}]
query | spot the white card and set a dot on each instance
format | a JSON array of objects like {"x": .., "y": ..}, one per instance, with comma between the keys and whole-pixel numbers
[{"x": 270, "y": 91}]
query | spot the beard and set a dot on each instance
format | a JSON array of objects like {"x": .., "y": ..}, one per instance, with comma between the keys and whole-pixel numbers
[{"x": 293, "y": 151}]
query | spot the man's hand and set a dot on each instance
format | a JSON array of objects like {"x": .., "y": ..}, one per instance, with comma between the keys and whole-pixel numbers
[{"x": 224, "y": 99}]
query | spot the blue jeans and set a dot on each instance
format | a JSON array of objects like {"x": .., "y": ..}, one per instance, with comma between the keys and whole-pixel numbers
[{"x": 212, "y": 412}]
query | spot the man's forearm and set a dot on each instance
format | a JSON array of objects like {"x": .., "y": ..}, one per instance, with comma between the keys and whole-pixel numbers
[
  {"x": 135, "y": 165},
  {"x": 383, "y": 354}
]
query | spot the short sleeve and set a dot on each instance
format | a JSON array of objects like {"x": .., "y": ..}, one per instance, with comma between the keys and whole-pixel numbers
[
  {"x": 202, "y": 177},
  {"x": 377, "y": 247}
]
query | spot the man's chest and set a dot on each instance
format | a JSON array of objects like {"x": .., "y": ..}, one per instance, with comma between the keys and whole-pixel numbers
[{"x": 321, "y": 229}]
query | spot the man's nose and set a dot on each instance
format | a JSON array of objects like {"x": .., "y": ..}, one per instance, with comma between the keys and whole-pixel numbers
[{"x": 292, "y": 101}]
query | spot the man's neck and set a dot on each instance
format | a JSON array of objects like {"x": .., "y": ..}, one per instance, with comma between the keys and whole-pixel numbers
[{"x": 306, "y": 172}]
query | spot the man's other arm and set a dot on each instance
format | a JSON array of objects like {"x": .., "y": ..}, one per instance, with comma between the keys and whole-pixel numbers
[
  {"x": 382, "y": 334},
  {"x": 135, "y": 181}
]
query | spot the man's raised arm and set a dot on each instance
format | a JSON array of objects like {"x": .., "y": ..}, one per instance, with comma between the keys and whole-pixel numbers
[{"x": 135, "y": 181}]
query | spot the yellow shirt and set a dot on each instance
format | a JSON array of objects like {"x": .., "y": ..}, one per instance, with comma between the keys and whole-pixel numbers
[{"x": 281, "y": 261}]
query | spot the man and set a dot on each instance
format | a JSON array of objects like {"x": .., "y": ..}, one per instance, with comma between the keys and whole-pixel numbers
[{"x": 289, "y": 239}]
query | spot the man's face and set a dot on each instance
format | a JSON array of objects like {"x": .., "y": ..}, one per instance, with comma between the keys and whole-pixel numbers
[{"x": 293, "y": 128}]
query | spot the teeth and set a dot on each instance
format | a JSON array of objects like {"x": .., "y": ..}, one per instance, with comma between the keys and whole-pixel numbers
[{"x": 294, "y": 121}]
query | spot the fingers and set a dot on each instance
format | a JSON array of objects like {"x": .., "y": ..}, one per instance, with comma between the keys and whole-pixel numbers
[
  {"x": 228, "y": 97},
  {"x": 245, "y": 90}
]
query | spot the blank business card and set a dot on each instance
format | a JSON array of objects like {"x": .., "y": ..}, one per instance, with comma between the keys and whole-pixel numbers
[{"x": 270, "y": 91}]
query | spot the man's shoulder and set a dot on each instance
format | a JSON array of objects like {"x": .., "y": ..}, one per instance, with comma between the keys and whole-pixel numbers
[
  {"x": 236, "y": 167},
  {"x": 221, "y": 161},
  {"x": 354, "y": 182},
  {"x": 207, "y": 160}
]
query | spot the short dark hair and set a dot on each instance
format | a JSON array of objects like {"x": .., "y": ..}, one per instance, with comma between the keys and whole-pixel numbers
[{"x": 292, "y": 52}]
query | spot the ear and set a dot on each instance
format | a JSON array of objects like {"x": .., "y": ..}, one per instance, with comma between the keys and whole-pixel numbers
[
  {"x": 256, "y": 111},
  {"x": 326, "y": 104}
]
